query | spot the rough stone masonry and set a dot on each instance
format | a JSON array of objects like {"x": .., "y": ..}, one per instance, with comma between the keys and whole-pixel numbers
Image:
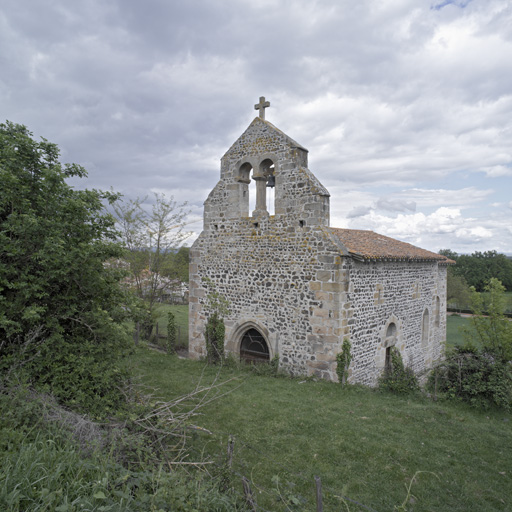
[{"x": 297, "y": 287}]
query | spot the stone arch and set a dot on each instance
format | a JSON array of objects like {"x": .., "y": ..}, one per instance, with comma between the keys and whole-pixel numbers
[
  {"x": 267, "y": 170},
  {"x": 244, "y": 173},
  {"x": 248, "y": 332},
  {"x": 244, "y": 178},
  {"x": 425, "y": 329},
  {"x": 390, "y": 336}
]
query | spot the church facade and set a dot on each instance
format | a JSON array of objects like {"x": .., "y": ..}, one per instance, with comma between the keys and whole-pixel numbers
[{"x": 295, "y": 286}]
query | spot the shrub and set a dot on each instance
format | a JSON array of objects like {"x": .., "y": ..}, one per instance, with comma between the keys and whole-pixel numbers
[
  {"x": 62, "y": 311},
  {"x": 396, "y": 377},
  {"x": 474, "y": 376}
]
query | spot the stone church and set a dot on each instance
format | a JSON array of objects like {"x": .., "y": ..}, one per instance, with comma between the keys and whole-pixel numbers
[{"x": 297, "y": 287}]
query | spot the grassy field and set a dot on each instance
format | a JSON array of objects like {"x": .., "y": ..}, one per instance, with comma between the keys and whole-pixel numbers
[
  {"x": 181, "y": 315},
  {"x": 366, "y": 446},
  {"x": 454, "y": 325}
]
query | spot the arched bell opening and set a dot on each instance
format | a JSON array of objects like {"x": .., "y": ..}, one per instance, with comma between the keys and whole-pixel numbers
[
  {"x": 267, "y": 170},
  {"x": 253, "y": 347},
  {"x": 248, "y": 194}
]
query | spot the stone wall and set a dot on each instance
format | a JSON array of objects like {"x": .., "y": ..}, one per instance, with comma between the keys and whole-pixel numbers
[
  {"x": 400, "y": 293},
  {"x": 288, "y": 276}
]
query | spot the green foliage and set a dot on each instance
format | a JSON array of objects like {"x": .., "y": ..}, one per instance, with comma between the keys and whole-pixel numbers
[
  {"x": 171, "y": 332},
  {"x": 175, "y": 266},
  {"x": 457, "y": 290},
  {"x": 215, "y": 333},
  {"x": 492, "y": 331},
  {"x": 396, "y": 377},
  {"x": 215, "y": 330},
  {"x": 61, "y": 307},
  {"x": 479, "y": 372},
  {"x": 478, "y": 268},
  {"x": 473, "y": 376},
  {"x": 343, "y": 359}
]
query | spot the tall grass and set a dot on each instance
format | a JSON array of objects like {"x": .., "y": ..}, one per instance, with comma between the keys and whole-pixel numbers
[{"x": 44, "y": 468}]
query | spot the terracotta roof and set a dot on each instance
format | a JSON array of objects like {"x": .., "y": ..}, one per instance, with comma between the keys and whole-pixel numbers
[{"x": 367, "y": 245}]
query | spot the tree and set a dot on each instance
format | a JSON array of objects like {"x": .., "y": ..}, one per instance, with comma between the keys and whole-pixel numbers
[
  {"x": 479, "y": 372},
  {"x": 489, "y": 327},
  {"x": 479, "y": 267},
  {"x": 151, "y": 237},
  {"x": 175, "y": 266},
  {"x": 61, "y": 308},
  {"x": 457, "y": 290}
]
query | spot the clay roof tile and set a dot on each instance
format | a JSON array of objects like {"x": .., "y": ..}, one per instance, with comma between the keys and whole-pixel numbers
[{"x": 368, "y": 245}]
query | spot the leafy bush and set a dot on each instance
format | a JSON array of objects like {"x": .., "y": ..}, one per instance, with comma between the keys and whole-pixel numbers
[
  {"x": 396, "y": 377},
  {"x": 61, "y": 307},
  {"x": 480, "y": 371},
  {"x": 475, "y": 377}
]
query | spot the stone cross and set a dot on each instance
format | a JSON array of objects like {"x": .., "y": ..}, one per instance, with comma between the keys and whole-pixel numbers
[{"x": 261, "y": 106}]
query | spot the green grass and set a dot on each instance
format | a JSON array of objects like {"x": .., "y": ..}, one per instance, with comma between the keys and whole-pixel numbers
[
  {"x": 454, "y": 325},
  {"x": 181, "y": 315},
  {"x": 364, "y": 445}
]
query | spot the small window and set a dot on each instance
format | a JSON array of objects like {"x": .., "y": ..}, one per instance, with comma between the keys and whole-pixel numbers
[
  {"x": 437, "y": 312},
  {"x": 301, "y": 223},
  {"x": 425, "y": 329}
]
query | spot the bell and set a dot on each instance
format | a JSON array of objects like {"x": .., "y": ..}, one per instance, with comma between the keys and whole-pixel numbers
[{"x": 271, "y": 181}]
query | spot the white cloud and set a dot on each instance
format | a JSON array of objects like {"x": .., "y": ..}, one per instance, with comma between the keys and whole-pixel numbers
[{"x": 406, "y": 109}]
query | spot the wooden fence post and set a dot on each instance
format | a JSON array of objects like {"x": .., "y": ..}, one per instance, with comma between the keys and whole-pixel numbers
[
  {"x": 248, "y": 493},
  {"x": 319, "y": 505}
]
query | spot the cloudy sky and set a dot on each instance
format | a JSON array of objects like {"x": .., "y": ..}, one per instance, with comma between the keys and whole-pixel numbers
[{"x": 405, "y": 105}]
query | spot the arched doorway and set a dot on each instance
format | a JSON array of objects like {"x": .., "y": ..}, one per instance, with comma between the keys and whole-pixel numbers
[{"x": 253, "y": 347}]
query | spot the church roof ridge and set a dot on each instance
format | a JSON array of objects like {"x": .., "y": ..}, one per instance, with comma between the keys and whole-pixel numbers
[{"x": 367, "y": 245}]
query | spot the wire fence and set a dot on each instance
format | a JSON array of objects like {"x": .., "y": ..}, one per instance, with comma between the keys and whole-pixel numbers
[{"x": 294, "y": 491}]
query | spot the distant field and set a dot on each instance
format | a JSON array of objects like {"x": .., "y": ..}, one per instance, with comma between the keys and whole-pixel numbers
[{"x": 454, "y": 325}]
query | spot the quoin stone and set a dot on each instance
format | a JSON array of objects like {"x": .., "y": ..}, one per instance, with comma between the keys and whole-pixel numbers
[{"x": 295, "y": 286}]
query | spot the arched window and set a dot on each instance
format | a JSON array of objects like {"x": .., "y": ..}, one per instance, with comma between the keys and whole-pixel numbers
[
  {"x": 244, "y": 177},
  {"x": 425, "y": 329},
  {"x": 437, "y": 312},
  {"x": 267, "y": 170},
  {"x": 253, "y": 347}
]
